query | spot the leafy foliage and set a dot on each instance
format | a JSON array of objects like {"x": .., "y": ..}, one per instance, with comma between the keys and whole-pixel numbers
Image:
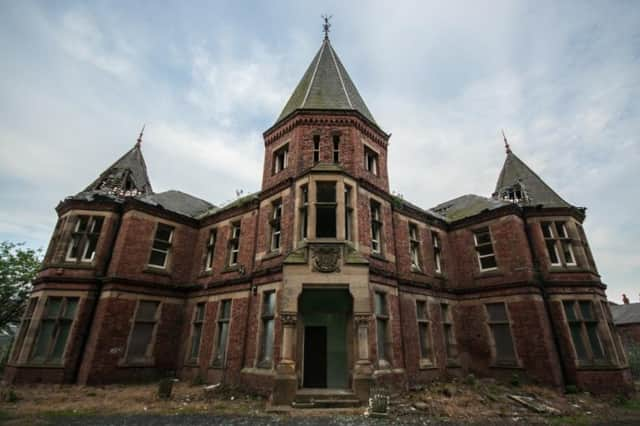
[{"x": 18, "y": 268}]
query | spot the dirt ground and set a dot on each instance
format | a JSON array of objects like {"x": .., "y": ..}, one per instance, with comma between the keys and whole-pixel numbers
[{"x": 467, "y": 401}]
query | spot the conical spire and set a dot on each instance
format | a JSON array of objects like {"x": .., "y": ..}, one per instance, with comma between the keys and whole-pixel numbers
[
  {"x": 326, "y": 85},
  {"x": 519, "y": 184},
  {"x": 127, "y": 177}
]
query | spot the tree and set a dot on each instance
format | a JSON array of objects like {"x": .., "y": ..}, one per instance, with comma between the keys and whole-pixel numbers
[{"x": 18, "y": 268}]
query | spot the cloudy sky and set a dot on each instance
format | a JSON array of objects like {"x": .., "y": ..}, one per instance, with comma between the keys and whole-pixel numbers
[{"x": 78, "y": 80}]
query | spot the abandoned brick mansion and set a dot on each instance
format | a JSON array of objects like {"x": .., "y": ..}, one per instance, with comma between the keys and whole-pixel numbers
[{"x": 323, "y": 278}]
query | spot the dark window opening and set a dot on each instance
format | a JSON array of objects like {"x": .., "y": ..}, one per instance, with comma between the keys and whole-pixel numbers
[
  {"x": 280, "y": 159},
  {"x": 276, "y": 217},
  {"x": 501, "y": 333},
  {"x": 210, "y": 250},
  {"x": 304, "y": 211},
  {"x": 370, "y": 161},
  {"x": 54, "y": 329},
  {"x": 583, "y": 326},
  {"x": 376, "y": 228},
  {"x": 234, "y": 244},
  {"x": 336, "y": 148},
  {"x": 268, "y": 324},
  {"x": 196, "y": 331},
  {"x": 316, "y": 148},
  {"x": 436, "y": 252},
  {"x": 161, "y": 246},
  {"x": 326, "y": 209},
  {"x": 382, "y": 319},
  {"x": 348, "y": 213},
  {"x": 224, "y": 320},
  {"x": 484, "y": 249}
]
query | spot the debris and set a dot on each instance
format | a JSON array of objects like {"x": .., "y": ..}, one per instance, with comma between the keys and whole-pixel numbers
[
  {"x": 534, "y": 405},
  {"x": 422, "y": 406}
]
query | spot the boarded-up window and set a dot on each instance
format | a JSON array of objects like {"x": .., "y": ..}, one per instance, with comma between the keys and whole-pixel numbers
[
  {"x": 54, "y": 329},
  {"x": 484, "y": 249},
  {"x": 144, "y": 325},
  {"x": 447, "y": 330},
  {"x": 268, "y": 325},
  {"x": 382, "y": 321},
  {"x": 583, "y": 326},
  {"x": 24, "y": 327},
  {"x": 196, "y": 331},
  {"x": 501, "y": 333},
  {"x": 161, "y": 246},
  {"x": 224, "y": 319},
  {"x": 424, "y": 335}
]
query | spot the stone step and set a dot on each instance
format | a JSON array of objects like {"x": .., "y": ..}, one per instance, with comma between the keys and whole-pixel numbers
[
  {"x": 325, "y": 398},
  {"x": 327, "y": 403}
]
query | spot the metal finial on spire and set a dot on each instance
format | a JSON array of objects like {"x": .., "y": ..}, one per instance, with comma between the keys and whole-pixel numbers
[
  {"x": 506, "y": 144},
  {"x": 326, "y": 26},
  {"x": 140, "y": 136}
]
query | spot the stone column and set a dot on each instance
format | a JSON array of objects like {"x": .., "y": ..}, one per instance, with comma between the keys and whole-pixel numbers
[
  {"x": 286, "y": 381},
  {"x": 362, "y": 376}
]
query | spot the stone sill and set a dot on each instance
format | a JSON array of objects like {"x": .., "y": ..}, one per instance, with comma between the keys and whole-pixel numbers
[
  {"x": 600, "y": 367},
  {"x": 506, "y": 366},
  {"x": 57, "y": 366},
  {"x": 271, "y": 255},
  {"x": 379, "y": 256},
  {"x": 157, "y": 271}
]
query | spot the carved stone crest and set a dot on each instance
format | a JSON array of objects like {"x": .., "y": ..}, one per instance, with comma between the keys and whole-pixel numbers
[
  {"x": 361, "y": 319},
  {"x": 288, "y": 318},
  {"x": 325, "y": 259}
]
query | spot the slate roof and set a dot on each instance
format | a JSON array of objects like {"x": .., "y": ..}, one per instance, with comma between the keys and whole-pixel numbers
[
  {"x": 131, "y": 168},
  {"x": 466, "y": 206},
  {"x": 625, "y": 314},
  {"x": 326, "y": 85},
  {"x": 538, "y": 192},
  {"x": 179, "y": 202}
]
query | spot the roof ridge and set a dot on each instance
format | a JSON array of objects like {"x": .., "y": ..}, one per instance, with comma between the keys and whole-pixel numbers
[
  {"x": 313, "y": 76},
  {"x": 344, "y": 89}
]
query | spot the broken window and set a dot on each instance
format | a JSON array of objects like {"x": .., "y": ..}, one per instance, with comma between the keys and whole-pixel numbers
[
  {"x": 224, "y": 319},
  {"x": 414, "y": 246},
  {"x": 84, "y": 238},
  {"x": 234, "y": 244},
  {"x": 484, "y": 249},
  {"x": 555, "y": 236},
  {"x": 376, "y": 228},
  {"x": 316, "y": 148},
  {"x": 210, "y": 249},
  {"x": 424, "y": 336},
  {"x": 515, "y": 194},
  {"x": 447, "y": 329},
  {"x": 336, "y": 148},
  {"x": 500, "y": 327},
  {"x": 161, "y": 246},
  {"x": 58, "y": 232},
  {"x": 276, "y": 217},
  {"x": 140, "y": 341},
  {"x": 304, "y": 211},
  {"x": 280, "y": 159},
  {"x": 370, "y": 160},
  {"x": 268, "y": 322},
  {"x": 326, "y": 209},
  {"x": 24, "y": 327},
  {"x": 54, "y": 329},
  {"x": 584, "y": 330},
  {"x": 437, "y": 261},
  {"x": 348, "y": 214},
  {"x": 196, "y": 331},
  {"x": 382, "y": 320}
]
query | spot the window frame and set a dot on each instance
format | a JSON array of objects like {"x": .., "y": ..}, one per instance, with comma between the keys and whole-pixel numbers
[
  {"x": 210, "y": 249},
  {"x": 326, "y": 205},
  {"x": 156, "y": 243},
  {"x": 148, "y": 357},
  {"x": 81, "y": 240},
  {"x": 448, "y": 333},
  {"x": 556, "y": 235},
  {"x": 234, "y": 244},
  {"x": 375, "y": 215},
  {"x": 371, "y": 161},
  {"x": 478, "y": 246},
  {"x": 25, "y": 324},
  {"x": 414, "y": 246},
  {"x": 197, "y": 321},
  {"x": 59, "y": 320},
  {"x": 336, "y": 148},
  {"x": 275, "y": 226},
  {"x": 219, "y": 359},
  {"x": 304, "y": 212},
  {"x": 586, "y": 339},
  {"x": 437, "y": 251},
  {"x": 498, "y": 357},
  {"x": 280, "y": 159},
  {"x": 316, "y": 149},
  {"x": 266, "y": 356},
  {"x": 348, "y": 213},
  {"x": 424, "y": 325},
  {"x": 383, "y": 337}
]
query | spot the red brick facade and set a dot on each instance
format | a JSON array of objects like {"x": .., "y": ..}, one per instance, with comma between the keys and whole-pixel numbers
[{"x": 112, "y": 285}]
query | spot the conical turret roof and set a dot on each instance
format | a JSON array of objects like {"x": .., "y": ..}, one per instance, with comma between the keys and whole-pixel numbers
[
  {"x": 326, "y": 85},
  {"x": 516, "y": 175},
  {"x": 124, "y": 178}
]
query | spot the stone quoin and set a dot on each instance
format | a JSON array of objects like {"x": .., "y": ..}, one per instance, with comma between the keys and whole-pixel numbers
[{"x": 323, "y": 278}]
